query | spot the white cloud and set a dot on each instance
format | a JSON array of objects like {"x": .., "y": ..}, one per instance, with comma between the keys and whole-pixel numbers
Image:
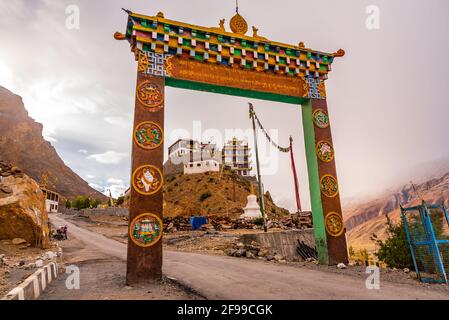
[
  {"x": 109, "y": 157},
  {"x": 118, "y": 121},
  {"x": 84, "y": 151},
  {"x": 115, "y": 181},
  {"x": 116, "y": 190},
  {"x": 89, "y": 176}
]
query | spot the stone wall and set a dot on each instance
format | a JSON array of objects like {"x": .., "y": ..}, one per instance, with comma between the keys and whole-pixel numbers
[
  {"x": 113, "y": 211},
  {"x": 282, "y": 242}
]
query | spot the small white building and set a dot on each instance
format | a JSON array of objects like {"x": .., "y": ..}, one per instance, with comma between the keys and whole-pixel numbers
[
  {"x": 51, "y": 200},
  {"x": 201, "y": 166}
]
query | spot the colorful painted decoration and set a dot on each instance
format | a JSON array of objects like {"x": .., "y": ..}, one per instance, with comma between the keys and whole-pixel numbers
[
  {"x": 148, "y": 135},
  {"x": 320, "y": 118},
  {"x": 143, "y": 62},
  {"x": 217, "y": 46},
  {"x": 146, "y": 230},
  {"x": 329, "y": 186},
  {"x": 334, "y": 224},
  {"x": 324, "y": 151},
  {"x": 150, "y": 95},
  {"x": 147, "y": 180}
]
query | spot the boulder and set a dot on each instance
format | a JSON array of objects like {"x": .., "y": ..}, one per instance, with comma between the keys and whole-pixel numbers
[
  {"x": 17, "y": 241},
  {"x": 250, "y": 255},
  {"x": 39, "y": 263},
  {"x": 263, "y": 252},
  {"x": 278, "y": 257},
  {"x": 22, "y": 211},
  {"x": 341, "y": 266}
]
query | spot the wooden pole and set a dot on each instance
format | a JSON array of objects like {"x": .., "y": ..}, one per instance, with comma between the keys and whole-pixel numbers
[
  {"x": 144, "y": 261},
  {"x": 295, "y": 177},
  {"x": 261, "y": 200}
]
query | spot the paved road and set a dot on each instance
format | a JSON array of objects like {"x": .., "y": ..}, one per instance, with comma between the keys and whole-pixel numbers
[{"x": 219, "y": 277}]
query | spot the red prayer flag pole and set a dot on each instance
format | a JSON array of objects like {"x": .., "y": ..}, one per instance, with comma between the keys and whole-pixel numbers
[{"x": 295, "y": 176}]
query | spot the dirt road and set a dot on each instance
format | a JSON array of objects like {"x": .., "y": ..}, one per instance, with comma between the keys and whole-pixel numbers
[{"x": 218, "y": 277}]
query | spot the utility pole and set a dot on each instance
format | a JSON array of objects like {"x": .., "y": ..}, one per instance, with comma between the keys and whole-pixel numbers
[{"x": 261, "y": 201}]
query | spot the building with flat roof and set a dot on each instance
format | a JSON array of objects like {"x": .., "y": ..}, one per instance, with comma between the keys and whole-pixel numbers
[
  {"x": 188, "y": 156},
  {"x": 236, "y": 154},
  {"x": 51, "y": 200}
]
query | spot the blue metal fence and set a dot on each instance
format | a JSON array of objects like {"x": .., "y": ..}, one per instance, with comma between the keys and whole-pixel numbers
[{"x": 427, "y": 229}]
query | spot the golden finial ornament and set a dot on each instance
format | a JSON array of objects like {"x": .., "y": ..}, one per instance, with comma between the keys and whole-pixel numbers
[
  {"x": 222, "y": 24},
  {"x": 160, "y": 14},
  {"x": 119, "y": 36},
  {"x": 339, "y": 53},
  {"x": 237, "y": 23},
  {"x": 301, "y": 45},
  {"x": 255, "y": 35}
]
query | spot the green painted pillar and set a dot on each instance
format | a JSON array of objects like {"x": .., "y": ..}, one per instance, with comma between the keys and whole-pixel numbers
[{"x": 327, "y": 215}]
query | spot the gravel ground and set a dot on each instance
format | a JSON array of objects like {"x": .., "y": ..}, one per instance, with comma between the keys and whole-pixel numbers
[{"x": 216, "y": 244}]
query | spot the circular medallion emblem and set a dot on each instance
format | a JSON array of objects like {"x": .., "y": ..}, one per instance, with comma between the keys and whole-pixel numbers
[
  {"x": 320, "y": 118},
  {"x": 334, "y": 224},
  {"x": 329, "y": 186},
  {"x": 148, "y": 135},
  {"x": 145, "y": 230},
  {"x": 238, "y": 24},
  {"x": 147, "y": 180},
  {"x": 324, "y": 151},
  {"x": 150, "y": 95}
]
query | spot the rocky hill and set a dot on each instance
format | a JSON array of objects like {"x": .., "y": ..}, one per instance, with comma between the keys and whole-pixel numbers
[
  {"x": 210, "y": 193},
  {"x": 364, "y": 219},
  {"x": 22, "y": 144}
]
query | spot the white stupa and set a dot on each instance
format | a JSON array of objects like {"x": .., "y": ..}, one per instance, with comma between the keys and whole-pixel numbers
[{"x": 252, "y": 209}]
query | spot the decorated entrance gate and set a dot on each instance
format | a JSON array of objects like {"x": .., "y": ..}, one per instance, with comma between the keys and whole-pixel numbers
[{"x": 176, "y": 54}]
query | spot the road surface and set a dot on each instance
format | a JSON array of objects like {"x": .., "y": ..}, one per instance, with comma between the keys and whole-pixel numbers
[{"x": 222, "y": 277}]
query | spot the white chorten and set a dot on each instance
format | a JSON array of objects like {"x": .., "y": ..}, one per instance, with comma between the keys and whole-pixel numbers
[{"x": 252, "y": 209}]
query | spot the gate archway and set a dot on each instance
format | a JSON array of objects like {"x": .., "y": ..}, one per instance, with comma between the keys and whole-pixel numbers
[{"x": 181, "y": 55}]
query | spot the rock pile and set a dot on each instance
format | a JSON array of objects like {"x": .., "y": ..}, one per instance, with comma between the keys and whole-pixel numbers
[
  {"x": 7, "y": 170},
  {"x": 292, "y": 221},
  {"x": 253, "y": 251}
]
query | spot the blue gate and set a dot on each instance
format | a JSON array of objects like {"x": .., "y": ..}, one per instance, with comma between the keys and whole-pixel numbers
[{"x": 427, "y": 229}]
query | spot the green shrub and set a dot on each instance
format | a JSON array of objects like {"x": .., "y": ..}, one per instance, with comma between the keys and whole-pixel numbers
[
  {"x": 395, "y": 250},
  {"x": 259, "y": 221},
  {"x": 205, "y": 195},
  {"x": 120, "y": 200}
]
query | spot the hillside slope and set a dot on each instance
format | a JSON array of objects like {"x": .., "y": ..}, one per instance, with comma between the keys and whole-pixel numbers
[
  {"x": 365, "y": 219},
  {"x": 211, "y": 193},
  {"x": 22, "y": 144}
]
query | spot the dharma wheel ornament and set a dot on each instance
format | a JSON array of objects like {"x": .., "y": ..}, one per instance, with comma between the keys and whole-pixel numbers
[{"x": 238, "y": 24}]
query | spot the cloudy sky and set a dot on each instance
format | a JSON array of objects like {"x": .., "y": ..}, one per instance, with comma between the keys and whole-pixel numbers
[{"x": 387, "y": 97}]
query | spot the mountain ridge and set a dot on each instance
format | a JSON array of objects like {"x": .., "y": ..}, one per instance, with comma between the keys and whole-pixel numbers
[{"x": 22, "y": 144}]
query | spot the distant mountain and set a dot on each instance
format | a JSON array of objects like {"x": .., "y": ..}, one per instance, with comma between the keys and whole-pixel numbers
[
  {"x": 364, "y": 219},
  {"x": 22, "y": 144}
]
